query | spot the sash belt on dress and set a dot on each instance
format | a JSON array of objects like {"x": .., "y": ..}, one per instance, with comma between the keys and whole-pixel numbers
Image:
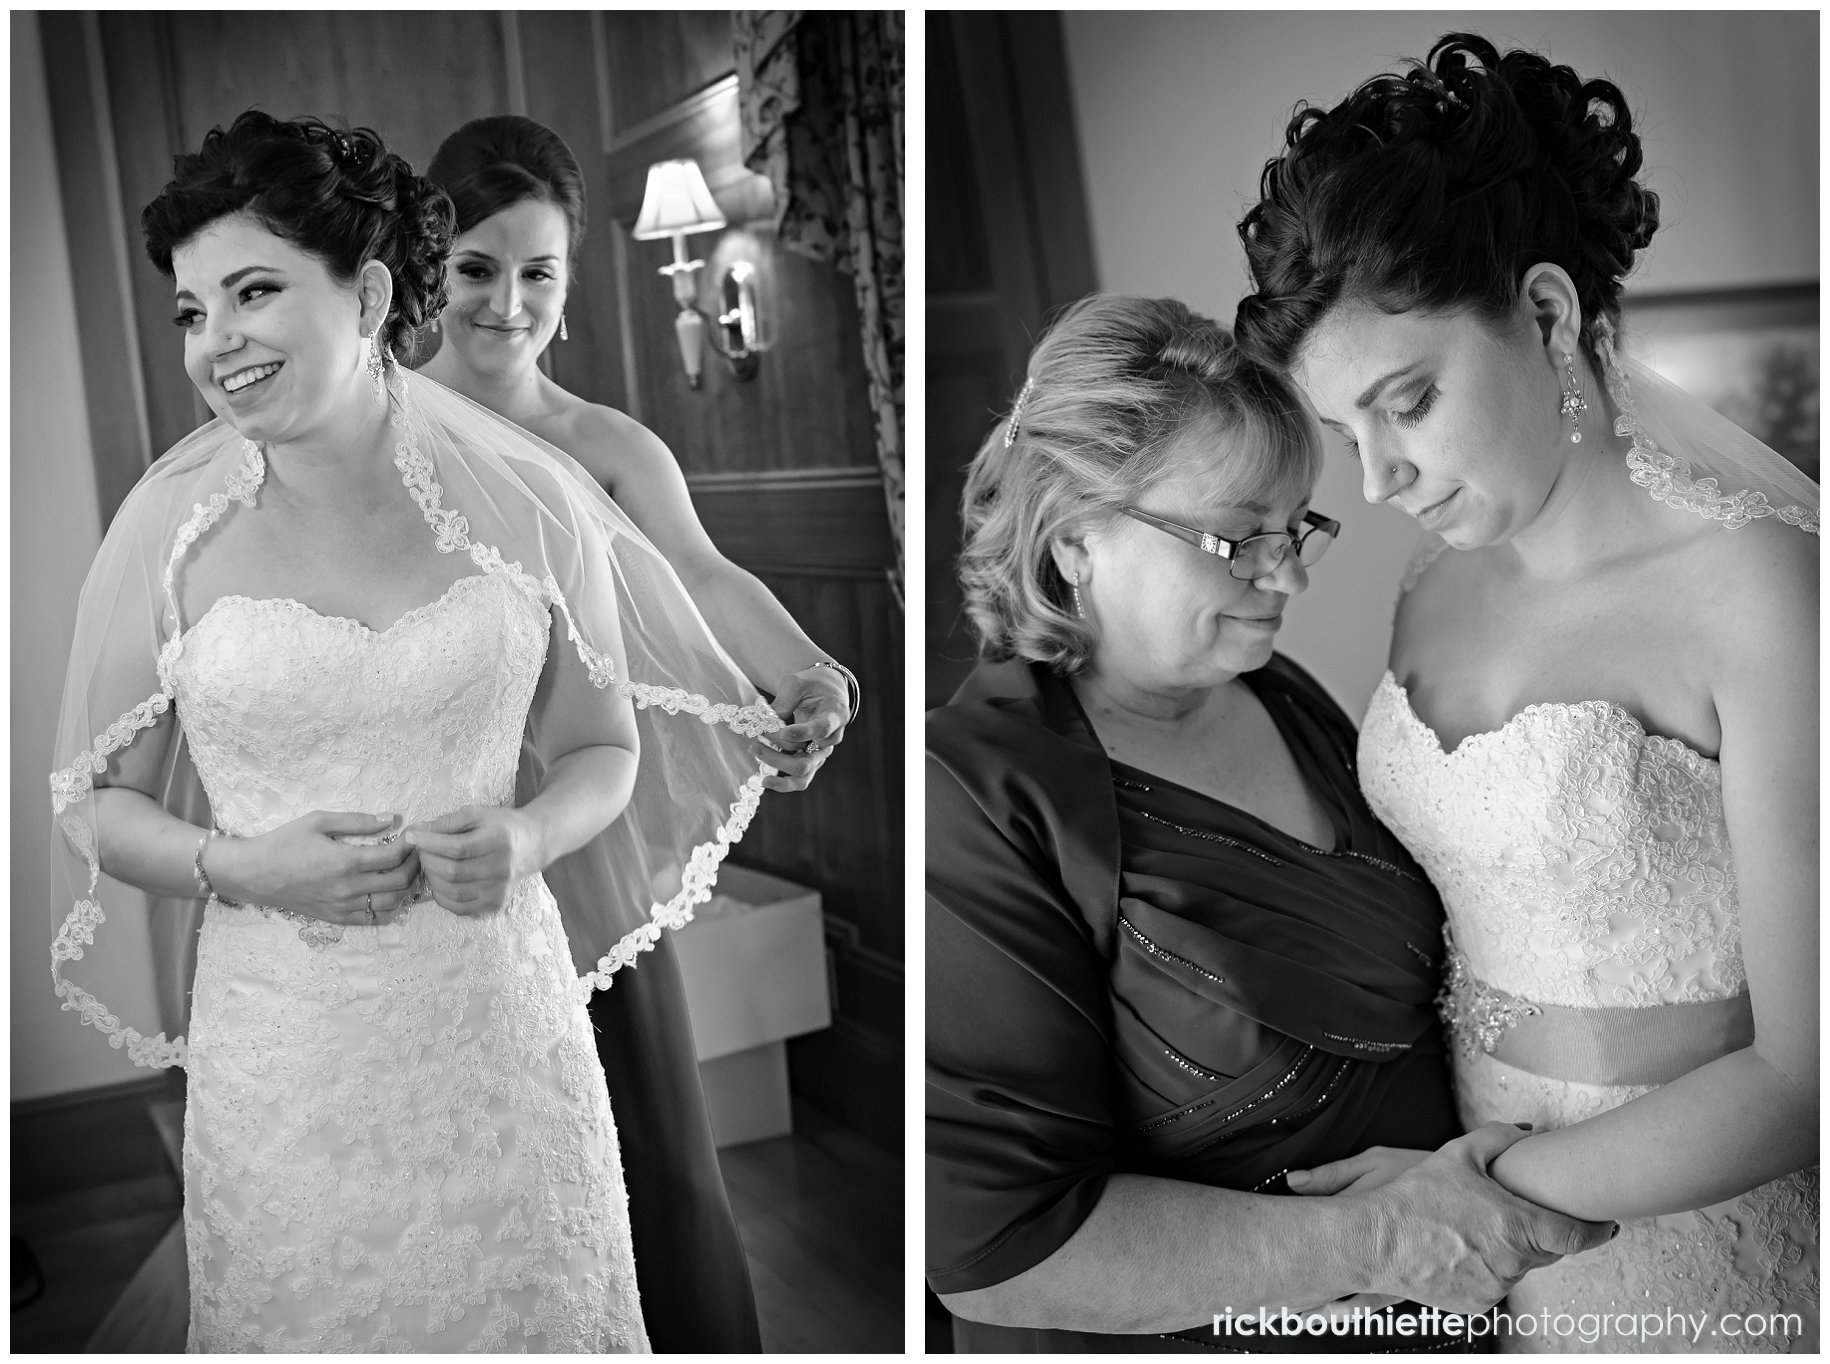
[{"x": 1598, "y": 1046}]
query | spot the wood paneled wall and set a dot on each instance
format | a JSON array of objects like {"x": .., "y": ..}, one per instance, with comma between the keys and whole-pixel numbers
[
  {"x": 1009, "y": 245},
  {"x": 782, "y": 467}
]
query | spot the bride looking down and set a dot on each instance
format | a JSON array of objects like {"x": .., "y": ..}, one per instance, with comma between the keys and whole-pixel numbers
[{"x": 1598, "y": 733}]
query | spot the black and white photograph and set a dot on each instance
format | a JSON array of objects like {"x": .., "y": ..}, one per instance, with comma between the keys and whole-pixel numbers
[
  {"x": 1372, "y": 711},
  {"x": 457, "y": 701}
]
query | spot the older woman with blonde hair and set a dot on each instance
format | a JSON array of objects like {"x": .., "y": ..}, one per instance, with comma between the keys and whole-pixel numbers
[{"x": 1171, "y": 954}]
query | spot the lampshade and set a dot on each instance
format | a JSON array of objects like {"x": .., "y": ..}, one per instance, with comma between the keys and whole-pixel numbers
[{"x": 676, "y": 201}]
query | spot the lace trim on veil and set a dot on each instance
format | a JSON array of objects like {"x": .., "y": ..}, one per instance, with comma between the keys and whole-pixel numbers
[
  {"x": 1667, "y": 477},
  {"x": 701, "y": 874},
  {"x": 1427, "y": 551},
  {"x": 68, "y": 787},
  {"x": 75, "y": 783}
]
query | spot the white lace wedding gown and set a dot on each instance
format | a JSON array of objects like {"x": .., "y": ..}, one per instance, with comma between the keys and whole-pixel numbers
[
  {"x": 1586, "y": 863},
  {"x": 400, "y": 1140}
]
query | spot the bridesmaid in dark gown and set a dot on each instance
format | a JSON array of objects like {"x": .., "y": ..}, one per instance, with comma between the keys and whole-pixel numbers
[
  {"x": 689, "y": 1262},
  {"x": 520, "y": 205},
  {"x": 1171, "y": 954}
]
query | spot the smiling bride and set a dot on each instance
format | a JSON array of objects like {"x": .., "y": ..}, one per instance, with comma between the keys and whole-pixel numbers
[{"x": 327, "y": 638}]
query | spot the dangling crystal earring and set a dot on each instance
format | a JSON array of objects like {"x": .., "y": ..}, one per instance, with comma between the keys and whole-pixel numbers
[
  {"x": 1080, "y": 607},
  {"x": 376, "y": 364},
  {"x": 1573, "y": 401},
  {"x": 434, "y": 327},
  {"x": 562, "y": 328}
]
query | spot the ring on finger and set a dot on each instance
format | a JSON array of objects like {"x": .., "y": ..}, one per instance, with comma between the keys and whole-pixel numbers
[{"x": 370, "y": 899}]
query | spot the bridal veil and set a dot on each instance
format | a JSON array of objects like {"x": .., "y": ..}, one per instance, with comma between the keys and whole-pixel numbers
[{"x": 513, "y": 505}]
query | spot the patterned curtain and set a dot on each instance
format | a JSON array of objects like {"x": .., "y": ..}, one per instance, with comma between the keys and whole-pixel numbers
[{"x": 821, "y": 100}]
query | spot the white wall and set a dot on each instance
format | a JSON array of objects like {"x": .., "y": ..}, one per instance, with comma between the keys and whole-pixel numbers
[
  {"x": 1178, "y": 112},
  {"x": 56, "y": 529}
]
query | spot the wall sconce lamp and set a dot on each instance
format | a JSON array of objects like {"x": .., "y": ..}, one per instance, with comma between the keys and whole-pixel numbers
[
  {"x": 739, "y": 334},
  {"x": 675, "y": 203}
]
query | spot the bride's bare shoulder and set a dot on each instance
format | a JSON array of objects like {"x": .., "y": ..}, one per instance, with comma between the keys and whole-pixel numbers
[
  {"x": 1751, "y": 591},
  {"x": 611, "y": 444},
  {"x": 1767, "y": 553},
  {"x": 1436, "y": 581}
]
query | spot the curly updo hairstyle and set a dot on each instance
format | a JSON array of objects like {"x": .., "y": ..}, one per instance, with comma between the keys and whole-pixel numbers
[
  {"x": 340, "y": 196},
  {"x": 1111, "y": 386},
  {"x": 494, "y": 163},
  {"x": 1437, "y": 189}
]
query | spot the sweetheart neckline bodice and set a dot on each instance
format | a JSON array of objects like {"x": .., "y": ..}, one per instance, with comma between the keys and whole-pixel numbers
[
  {"x": 288, "y": 710},
  {"x": 1487, "y": 737},
  {"x": 409, "y": 617},
  {"x": 1581, "y": 860}
]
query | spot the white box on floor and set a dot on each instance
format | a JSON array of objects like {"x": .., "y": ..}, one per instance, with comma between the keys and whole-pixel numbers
[
  {"x": 746, "y": 1094},
  {"x": 754, "y": 960}
]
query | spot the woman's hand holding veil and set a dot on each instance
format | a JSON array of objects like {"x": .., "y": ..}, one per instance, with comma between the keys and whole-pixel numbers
[{"x": 817, "y": 704}]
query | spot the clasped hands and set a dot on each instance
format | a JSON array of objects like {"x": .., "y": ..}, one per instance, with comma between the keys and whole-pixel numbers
[
  {"x": 467, "y": 861},
  {"x": 1446, "y": 1234}
]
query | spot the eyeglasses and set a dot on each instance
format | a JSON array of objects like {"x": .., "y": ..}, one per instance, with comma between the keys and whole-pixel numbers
[{"x": 1256, "y": 556}]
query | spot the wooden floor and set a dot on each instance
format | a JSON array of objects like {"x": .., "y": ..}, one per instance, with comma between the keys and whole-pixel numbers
[
  {"x": 821, "y": 1217},
  {"x": 820, "y": 1213},
  {"x": 89, "y": 1245}
]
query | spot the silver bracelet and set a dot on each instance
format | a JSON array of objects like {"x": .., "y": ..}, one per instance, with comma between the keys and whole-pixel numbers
[
  {"x": 855, "y": 697},
  {"x": 204, "y": 888}
]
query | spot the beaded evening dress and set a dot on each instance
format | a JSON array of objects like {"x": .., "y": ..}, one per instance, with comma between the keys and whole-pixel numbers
[
  {"x": 396, "y": 1138},
  {"x": 1586, "y": 872}
]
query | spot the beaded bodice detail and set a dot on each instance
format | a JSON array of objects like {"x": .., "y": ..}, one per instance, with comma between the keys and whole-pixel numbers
[
  {"x": 396, "y": 1137},
  {"x": 1581, "y": 860},
  {"x": 1584, "y": 862},
  {"x": 420, "y": 718}
]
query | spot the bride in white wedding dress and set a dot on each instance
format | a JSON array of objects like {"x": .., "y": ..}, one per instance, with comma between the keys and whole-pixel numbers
[
  {"x": 336, "y": 627},
  {"x": 1598, "y": 734}
]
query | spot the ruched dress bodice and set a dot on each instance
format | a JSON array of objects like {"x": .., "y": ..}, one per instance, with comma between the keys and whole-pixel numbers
[
  {"x": 396, "y": 1137},
  {"x": 1585, "y": 866}
]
